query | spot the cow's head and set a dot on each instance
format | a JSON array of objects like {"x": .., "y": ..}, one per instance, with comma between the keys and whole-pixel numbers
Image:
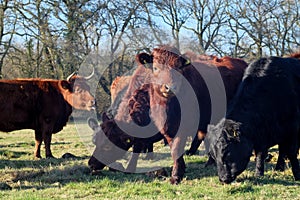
[
  {"x": 76, "y": 92},
  {"x": 111, "y": 143},
  {"x": 230, "y": 149},
  {"x": 167, "y": 64}
]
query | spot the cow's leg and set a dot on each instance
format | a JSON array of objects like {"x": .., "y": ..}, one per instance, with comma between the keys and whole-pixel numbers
[
  {"x": 194, "y": 146},
  {"x": 47, "y": 141},
  {"x": 260, "y": 162},
  {"x": 149, "y": 151},
  {"x": 280, "y": 165},
  {"x": 177, "y": 151},
  {"x": 292, "y": 156},
  {"x": 131, "y": 167},
  {"x": 295, "y": 166},
  {"x": 210, "y": 161},
  {"x": 38, "y": 143}
]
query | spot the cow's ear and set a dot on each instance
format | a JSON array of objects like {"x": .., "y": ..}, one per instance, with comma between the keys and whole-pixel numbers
[
  {"x": 93, "y": 123},
  {"x": 144, "y": 58},
  {"x": 184, "y": 61},
  {"x": 105, "y": 117},
  {"x": 65, "y": 85},
  {"x": 233, "y": 134}
]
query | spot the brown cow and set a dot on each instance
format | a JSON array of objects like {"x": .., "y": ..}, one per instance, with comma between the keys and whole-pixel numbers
[
  {"x": 230, "y": 82},
  {"x": 165, "y": 108},
  {"x": 170, "y": 69},
  {"x": 119, "y": 84},
  {"x": 43, "y": 105},
  {"x": 118, "y": 89}
]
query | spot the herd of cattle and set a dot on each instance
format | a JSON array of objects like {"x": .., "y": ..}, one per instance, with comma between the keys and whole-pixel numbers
[{"x": 170, "y": 94}]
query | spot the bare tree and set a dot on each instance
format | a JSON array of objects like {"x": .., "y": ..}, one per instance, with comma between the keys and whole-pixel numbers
[
  {"x": 118, "y": 20},
  {"x": 252, "y": 17},
  {"x": 284, "y": 28},
  {"x": 174, "y": 13},
  {"x": 8, "y": 21},
  {"x": 209, "y": 17}
]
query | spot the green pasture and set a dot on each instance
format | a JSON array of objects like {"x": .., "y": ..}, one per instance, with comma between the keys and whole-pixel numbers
[{"x": 22, "y": 177}]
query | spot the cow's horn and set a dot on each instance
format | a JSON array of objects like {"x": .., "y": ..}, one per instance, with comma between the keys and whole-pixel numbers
[
  {"x": 90, "y": 76},
  {"x": 69, "y": 77}
]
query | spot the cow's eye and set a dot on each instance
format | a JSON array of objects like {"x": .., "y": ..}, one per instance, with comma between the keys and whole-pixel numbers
[
  {"x": 155, "y": 69},
  {"x": 78, "y": 90}
]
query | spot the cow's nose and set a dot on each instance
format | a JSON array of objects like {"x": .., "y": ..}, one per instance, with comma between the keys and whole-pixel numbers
[{"x": 166, "y": 87}]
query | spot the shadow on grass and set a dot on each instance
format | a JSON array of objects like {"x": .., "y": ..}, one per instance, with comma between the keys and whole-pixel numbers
[
  {"x": 54, "y": 173},
  {"x": 48, "y": 173},
  {"x": 44, "y": 162},
  {"x": 11, "y": 154},
  {"x": 18, "y": 144},
  {"x": 267, "y": 179},
  {"x": 58, "y": 177}
]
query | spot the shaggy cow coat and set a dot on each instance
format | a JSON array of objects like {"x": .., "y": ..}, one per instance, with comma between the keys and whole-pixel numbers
[{"x": 264, "y": 112}]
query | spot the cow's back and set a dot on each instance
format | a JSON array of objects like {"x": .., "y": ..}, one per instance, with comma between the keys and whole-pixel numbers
[
  {"x": 204, "y": 72},
  {"x": 269, "y": 97}
]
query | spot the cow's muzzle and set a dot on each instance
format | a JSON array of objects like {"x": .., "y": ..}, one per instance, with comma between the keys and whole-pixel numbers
[
  {"x": 167, "y": 90},
  {"x": 227, "y": 179}
]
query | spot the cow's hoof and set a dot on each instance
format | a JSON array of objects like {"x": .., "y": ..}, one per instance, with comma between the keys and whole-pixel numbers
[
  {"x": 190, "y": 153},
  {"x": 37, "y": 157},
  {"x": 259, "y": 174},
  {"x": 175, "y": 180},
  {"x": 297, "y": 175},
  {"x": 160, "y": 173}
]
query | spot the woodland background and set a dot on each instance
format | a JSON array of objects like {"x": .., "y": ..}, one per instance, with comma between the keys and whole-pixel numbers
[{"x": 52, "y": 38}]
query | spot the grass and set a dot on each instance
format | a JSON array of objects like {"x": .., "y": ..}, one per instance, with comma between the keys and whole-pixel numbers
[{"x": 22, "y": 177}]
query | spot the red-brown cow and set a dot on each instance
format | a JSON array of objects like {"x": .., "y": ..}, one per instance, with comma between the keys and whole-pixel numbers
[
  {"x": 167, "y": 66},
  {"x": 43, "y": 105},
  {"x": 170, "y": 70}
]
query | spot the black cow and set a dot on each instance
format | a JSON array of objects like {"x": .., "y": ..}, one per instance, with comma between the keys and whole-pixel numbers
[{"x": 264, "y": 112}]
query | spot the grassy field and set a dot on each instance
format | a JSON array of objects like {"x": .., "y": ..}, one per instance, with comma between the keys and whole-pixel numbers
[{"x": 22, "y": 177}]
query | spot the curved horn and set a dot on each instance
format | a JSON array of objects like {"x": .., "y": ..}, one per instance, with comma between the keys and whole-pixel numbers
[
  {"x": 68, "y": 78},
  {"x": 90, "y": 76}
]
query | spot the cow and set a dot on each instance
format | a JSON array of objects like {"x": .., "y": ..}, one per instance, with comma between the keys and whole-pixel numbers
[
  {"x": 43, "y": 105},
  {"x": 118, "y": 89},
  {"x": 166, "y": 63},
  {"x": 231, "y": 84},
  {"x": 119, "y": 110},
  {"x": 109, "y": 137},
  {"x": 264, "y": 112}
]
